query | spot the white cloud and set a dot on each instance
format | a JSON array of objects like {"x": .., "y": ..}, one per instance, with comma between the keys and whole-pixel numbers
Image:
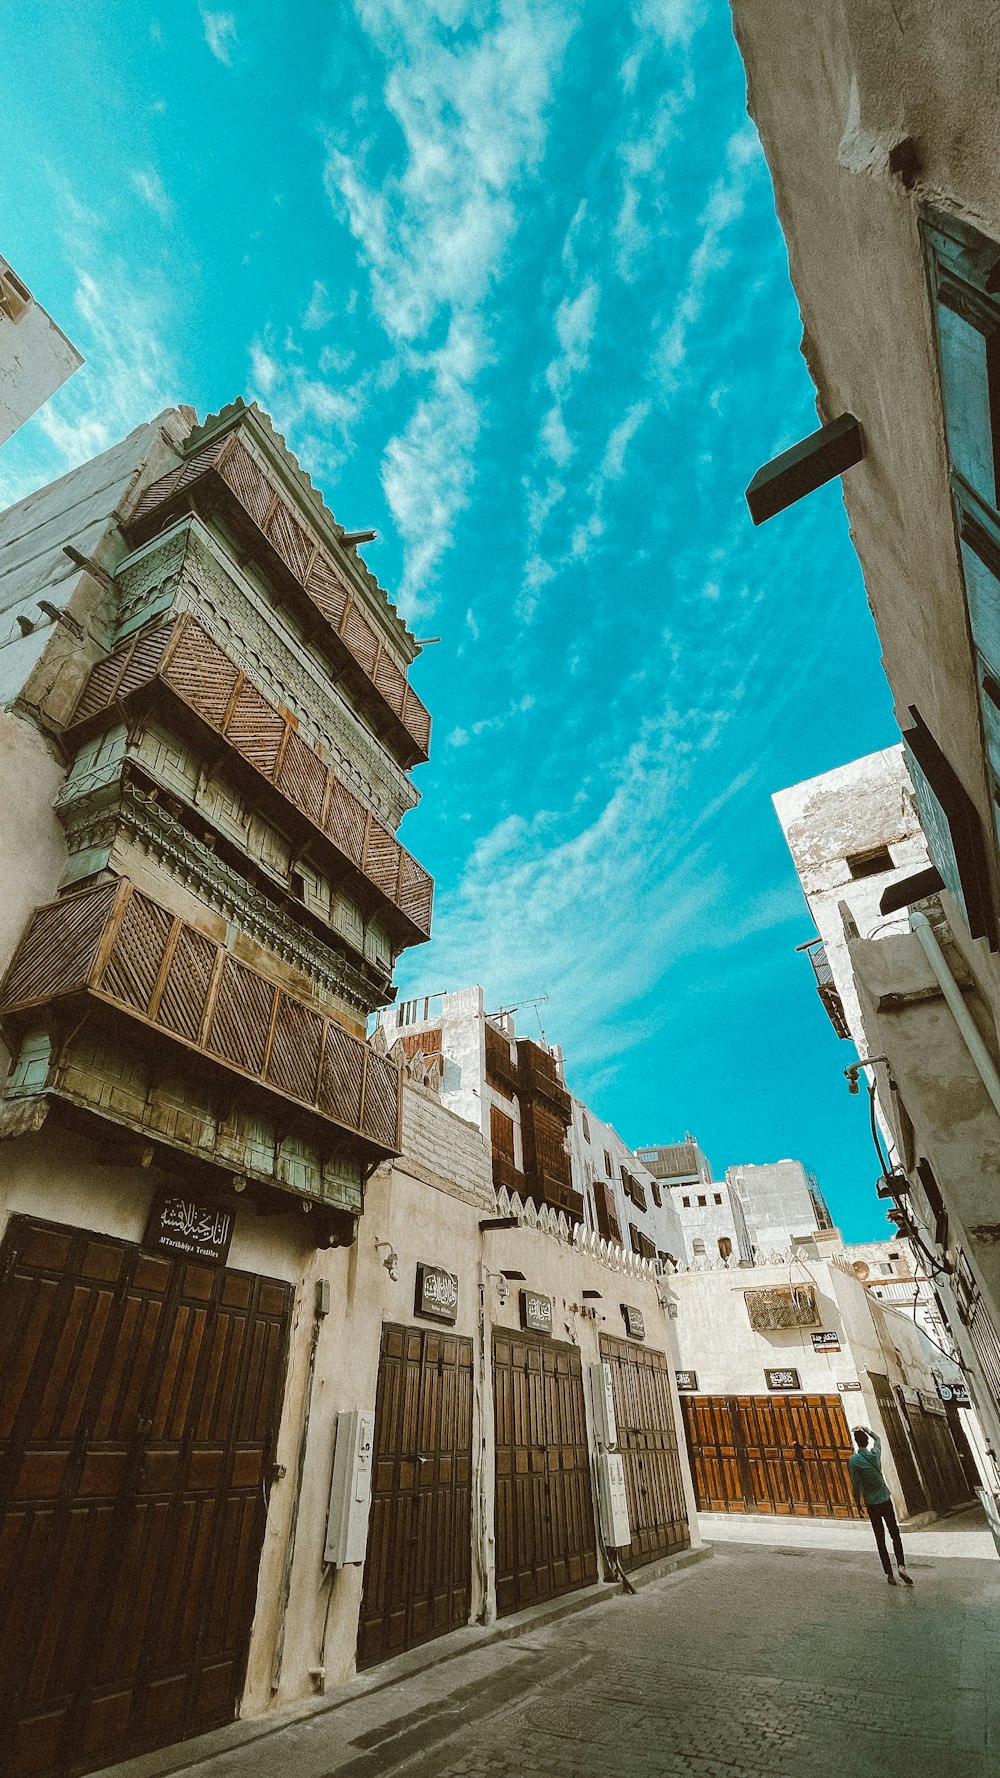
[
  {"x": 711, "y": 254},
  {"x": 319, "y": 313},
  {"x": 147, "y": 183},
  {"x": 470, "y": 100},
  {"x": 315, "y": 415},
  {"x": 220, "y": 33}
]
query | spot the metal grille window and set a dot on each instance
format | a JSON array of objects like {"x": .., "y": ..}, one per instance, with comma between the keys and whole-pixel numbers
[{"x": 791, "y": 1305}]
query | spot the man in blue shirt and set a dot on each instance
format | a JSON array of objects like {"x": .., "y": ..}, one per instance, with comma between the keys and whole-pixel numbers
[{"x": 868, "y": 1483}]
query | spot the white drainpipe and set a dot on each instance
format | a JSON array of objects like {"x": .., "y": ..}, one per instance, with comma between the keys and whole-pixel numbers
[{"x": 985, "y": 1064}]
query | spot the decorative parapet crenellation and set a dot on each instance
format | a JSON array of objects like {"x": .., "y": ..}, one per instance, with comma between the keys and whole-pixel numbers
[{"x": 574, "y": 1234}]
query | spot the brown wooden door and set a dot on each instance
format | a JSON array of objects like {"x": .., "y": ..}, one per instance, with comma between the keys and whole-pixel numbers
[
  {"x": 545, "y": 1538},
  {"x": 418, "y": 1576},
  {"x": 718, "y": 1468},
  {"x": 647, "y": 1439},
  {"x": 939, "y": 1461},
  {"x": 139, "y": 1402},
  {"x": 914, "y": 1498},
  {"x": 781, "y": 1454}
]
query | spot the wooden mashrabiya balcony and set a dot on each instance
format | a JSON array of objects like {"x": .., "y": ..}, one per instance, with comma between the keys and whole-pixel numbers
[
  {"x": 225, "y": 470},
  {"x": 115, "y": 945},
  {"x": 181, "y": 655}
]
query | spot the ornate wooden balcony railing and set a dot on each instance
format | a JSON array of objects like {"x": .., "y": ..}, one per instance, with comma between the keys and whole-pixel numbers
[
  {"x": 183, "y": 656},
  {"x": 119, "y": 947},
  {"x": 538, "y": 1076},
  {"x": 225, "y": 468}
]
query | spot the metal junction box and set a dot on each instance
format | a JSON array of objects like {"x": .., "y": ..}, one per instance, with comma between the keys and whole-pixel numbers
[
  {"x": 615, "y": 1528},
  {"x": 351, "y": 1489},
  {"x": 602, "y": 1403}
]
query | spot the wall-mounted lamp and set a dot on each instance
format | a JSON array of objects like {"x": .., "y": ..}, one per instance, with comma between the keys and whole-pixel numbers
[
  {"x": 391, "y": 1260},
  {"x": 851, "y": 1073},
  {"x": 591, "y": 1294},
  {"x": 499, "y": 1278}
]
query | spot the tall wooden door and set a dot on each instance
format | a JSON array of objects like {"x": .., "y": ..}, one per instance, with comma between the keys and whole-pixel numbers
[
  {"x": 139, "y": 1403},
  {"x": 914, "y": 1498},
  {"x": 418, "y": 1573},
  {"x": 545, "y": 1540},
  {"x": 781, "y": 1454},
  {"x": 647, "y": 1439}
]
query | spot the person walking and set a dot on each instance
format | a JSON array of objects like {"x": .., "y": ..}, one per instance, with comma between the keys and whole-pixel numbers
[{"x": 868, "y": 1483}]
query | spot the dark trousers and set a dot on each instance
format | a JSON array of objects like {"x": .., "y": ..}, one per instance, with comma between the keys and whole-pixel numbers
[{"x": 882, "y": 1516}]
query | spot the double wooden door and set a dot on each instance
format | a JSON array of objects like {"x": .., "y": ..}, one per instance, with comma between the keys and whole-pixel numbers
[
  {"x": 418, "y": 1577},
  {"x": 782, "y": 1454},
  {"x": 139, "y": 1403},
  {"x": 545, "y": 1542},
  {"x": 647, "y": 1440}
]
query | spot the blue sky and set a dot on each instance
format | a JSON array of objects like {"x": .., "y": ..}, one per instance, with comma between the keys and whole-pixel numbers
[{"x": 509, "y": 278}]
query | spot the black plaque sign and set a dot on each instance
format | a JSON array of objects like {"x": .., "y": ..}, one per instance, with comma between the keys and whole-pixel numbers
[
  {"x": 536, "y": 1312},
  {"x": 188, "y": 1227},
  {"x": 437, "y": 1294},
  {"x": 782, "y": 1379},
  {"x": 635, "y": 1327},
  {"x": 827, "y": 1341},
  {"x": 686, "y": 1379}
]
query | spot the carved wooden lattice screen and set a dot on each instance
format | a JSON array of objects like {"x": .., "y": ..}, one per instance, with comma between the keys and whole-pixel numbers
[
  {"x": 202, "y": 674},
  {"x": 307, "y": 561},
  {"x": 124, "y": 947}
]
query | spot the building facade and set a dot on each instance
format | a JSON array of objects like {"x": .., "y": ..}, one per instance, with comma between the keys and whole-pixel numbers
[
  {"x": 775, "y": 1202},
  {"x": 36, "y": 358},
  {"x": 779, "y": 1362},
  {"x": 881, "y": 138}
]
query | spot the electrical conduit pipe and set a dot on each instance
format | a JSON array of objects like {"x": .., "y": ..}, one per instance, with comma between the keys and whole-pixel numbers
[{"x": 985, "y": 1065}]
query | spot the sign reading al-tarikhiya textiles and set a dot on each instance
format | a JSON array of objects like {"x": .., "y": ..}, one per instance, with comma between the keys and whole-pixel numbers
[{"x": 184, "y": 1225}]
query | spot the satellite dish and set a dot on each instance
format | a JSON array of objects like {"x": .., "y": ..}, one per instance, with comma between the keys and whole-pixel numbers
[{"x": 861, "y": 1269}]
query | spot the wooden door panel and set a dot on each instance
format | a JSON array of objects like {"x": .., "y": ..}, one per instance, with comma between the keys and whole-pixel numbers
[
  {"x": 418, "y": 1575},
  {"x": 130, "y": 1524},
  {"x": 781, "y": 1455},
  {"x": 545, "y": 1542},
  {"x": 647, "y": 1439}
]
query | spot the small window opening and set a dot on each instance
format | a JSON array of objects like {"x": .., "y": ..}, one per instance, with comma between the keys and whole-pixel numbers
[{"x": 871, "y": 863}]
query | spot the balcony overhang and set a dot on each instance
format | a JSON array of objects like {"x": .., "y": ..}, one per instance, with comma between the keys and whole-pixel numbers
[
  {"x": 223, "y": 473},
  {"x": 114, "y": 949},
  {"x": 177, "y": 662}
]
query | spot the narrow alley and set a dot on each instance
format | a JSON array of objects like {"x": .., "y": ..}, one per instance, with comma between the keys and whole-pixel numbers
[{"x": 782, "y": 1655}]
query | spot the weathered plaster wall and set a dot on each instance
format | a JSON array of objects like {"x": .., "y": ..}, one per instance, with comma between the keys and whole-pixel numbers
[
  {"x": 36, "y": 358},
  {"x": 832, "y": 90},
  {"x": 825, "y": 820}
]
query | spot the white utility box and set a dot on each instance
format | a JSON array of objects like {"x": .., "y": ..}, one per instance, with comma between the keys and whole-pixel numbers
[
  {"x": 615, "y": 1528},
  {"x": 602, "y": 1403},
  {"x": 351, "y": 1489}
]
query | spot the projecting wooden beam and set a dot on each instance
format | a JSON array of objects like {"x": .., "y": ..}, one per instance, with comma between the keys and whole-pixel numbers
[{"x": 813, "y": 461}]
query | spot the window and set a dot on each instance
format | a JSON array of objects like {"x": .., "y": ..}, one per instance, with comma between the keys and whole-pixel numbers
[
  {"x": 718, "y": 1197},
  {"x": 871, "y": 863},
  {"x": 962, "y": 266},
  {"x": 698, "y": 1246},
  {"x": 586, "y": 1126},
  {"x": 686, "y": 1203},
  {"x": 702, "y": 1200},
  {"x": 657, "y": 1196},
  {"x": 609, "y": 1170},
  {"x": 725, "y": 1247}
]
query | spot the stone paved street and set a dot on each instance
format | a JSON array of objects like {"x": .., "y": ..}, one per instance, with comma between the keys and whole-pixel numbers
[{"x": 762, "y": 1660}]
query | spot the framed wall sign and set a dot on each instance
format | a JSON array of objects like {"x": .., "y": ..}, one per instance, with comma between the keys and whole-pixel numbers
[
  {"x": 686, "y": 1379},
  {"x": 635, "y": 1327},
  {"x": 536, "y": 1312},
  {"x": 845, "y": 1387},
  {"x": 437, "y": 1294},
  {"x": 828, "y": 1341},
  {"x": 187, "y": 1226},
  {"x": 782, "y": 1379},
  {"x": 955, "y": 1392}
]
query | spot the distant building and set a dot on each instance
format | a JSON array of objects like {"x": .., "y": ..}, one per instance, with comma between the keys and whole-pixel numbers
[
  {"x": 774, "y": 1202},
  {"x": 624, "y": 1201},
  {"x": 676, "y": 1163},
  {"x": 35, "y": 356}
]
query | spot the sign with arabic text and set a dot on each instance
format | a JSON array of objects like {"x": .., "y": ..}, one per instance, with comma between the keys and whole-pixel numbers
[
  {"x": 828, "y": 1341},
  {"x": 686, "y": 1379},
  {"x": 437, "y": 1294},
  {"x": 536, "y": 1312},
  {"x": 189, "y": 1227},
  {"x": 635, "y": 1327},
  {"x": 845, "y": 1387},
  {"x": 782, "y": 1379},
  {"x": 956, "y": 1392}
]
